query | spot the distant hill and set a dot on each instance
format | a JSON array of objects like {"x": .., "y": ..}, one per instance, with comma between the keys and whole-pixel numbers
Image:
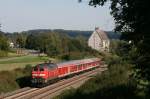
[
  {"x": 73, "y": 33},
  {"x": 1, "y": 33},
  {"x": 113, "y": 35}
]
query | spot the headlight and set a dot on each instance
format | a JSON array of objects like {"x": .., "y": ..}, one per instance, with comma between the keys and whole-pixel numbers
[
  {"x": 41, "y": 74},
  {"x": 38, "y": 74},
  {"x": 34, "y": 74}
]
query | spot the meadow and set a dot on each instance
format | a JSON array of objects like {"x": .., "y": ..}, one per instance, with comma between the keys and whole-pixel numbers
[{"x": 21, "y": 62}]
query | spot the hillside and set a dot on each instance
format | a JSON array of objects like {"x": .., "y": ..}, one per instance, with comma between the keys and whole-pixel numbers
[{"x": 73, "y": 33}]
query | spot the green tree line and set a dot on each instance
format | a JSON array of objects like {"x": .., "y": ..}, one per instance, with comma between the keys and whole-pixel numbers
[
  {"x": 52, "y": 43},
  {"x": 55, "y": 44},
  {"x": 4, "y": 46}
]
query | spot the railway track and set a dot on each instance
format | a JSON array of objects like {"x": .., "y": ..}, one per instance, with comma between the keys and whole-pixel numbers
[
  {"x": 19, "y": 91},
  {"x": 54, "y": 89}
]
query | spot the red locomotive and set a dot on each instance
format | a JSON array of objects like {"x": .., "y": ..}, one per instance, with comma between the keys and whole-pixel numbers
[{"x": 43, "y": 73}]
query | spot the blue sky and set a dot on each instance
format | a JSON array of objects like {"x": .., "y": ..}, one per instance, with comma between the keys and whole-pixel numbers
[{"x": 21, "y": 15}]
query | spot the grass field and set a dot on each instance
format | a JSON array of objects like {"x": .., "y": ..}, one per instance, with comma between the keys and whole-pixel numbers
[
  {"x": 21, "y": 62},
  {"x": 23, "y": 59}
]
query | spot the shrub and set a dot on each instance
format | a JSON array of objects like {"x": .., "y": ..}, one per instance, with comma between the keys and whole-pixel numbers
[
  {"x": 15, "y": 79},
  {"x": 65, "y": 57},
  {"x": 28, "y": 68},
  {"x": 7, "y": 81},
  {"x": 3, "y": 53}
]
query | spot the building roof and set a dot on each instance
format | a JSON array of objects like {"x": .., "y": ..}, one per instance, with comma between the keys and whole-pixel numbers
[{"x": 101, "y": 34}]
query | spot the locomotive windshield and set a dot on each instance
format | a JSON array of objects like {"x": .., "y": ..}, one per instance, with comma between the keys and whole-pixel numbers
[
  {"x": 41, "y": 66},
  {"x": 51, "y": 65},
  {"x": 35, "y": 68}
]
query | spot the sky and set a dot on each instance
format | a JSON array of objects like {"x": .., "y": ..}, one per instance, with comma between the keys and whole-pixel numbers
[{"x": 22, "y": 15}]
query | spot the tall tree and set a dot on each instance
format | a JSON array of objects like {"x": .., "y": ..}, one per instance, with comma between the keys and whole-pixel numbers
[
  {"x": 132, "y": 18},
  {"x": 20, "y": 40},
  {"x": 3, "y": 42},
  {"x": 32, "y": 42}
]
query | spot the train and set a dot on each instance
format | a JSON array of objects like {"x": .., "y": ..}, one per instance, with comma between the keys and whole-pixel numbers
[{"x": 49, "y": 71}]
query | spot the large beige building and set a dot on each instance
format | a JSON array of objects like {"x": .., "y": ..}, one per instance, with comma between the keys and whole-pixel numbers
[{"x": 99, "y": 40}]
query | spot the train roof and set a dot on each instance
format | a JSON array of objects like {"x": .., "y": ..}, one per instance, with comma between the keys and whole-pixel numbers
[
  {"x": 72, "y": 62},
  {"x": 50, "y": 65},
  {"x": 77, "y": 62}
]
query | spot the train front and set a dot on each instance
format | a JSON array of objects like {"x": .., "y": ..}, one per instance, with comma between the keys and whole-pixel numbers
[
  {"x": 44, "y": 73},
  {"x": 39, "y": 75}
]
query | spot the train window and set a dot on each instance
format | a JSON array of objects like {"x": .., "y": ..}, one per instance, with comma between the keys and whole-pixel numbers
[
  {"x": 51, "y": 65},
  {"x": 47, "y": 65},
  {"x": 35, "y": 68},
  {"x": 42, "y": 69}
]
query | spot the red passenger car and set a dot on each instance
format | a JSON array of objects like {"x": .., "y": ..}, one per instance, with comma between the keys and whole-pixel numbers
[{"x": 43, "y": 73}]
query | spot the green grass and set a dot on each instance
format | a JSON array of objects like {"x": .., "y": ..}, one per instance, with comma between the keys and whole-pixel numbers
[
  {"x": 24, "y": 59},
  {"x": 12, "y": 54},
  {"x": 8, "y": 67},
  {"x": 21, "y": 62}
]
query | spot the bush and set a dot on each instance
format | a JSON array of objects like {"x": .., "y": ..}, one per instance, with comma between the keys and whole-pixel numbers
[
  {"x": 28, "y": 68},
  {"x": 3, "y": 53},
  {"x": 72, "y": 56},
  {"x": 15, "y": 79},
  {"x": 7, "y": 81},
  {"x": 65, "y": 57}
]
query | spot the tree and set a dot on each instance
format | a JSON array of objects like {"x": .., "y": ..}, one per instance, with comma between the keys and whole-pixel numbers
[
  {"x": 3, "y": 43},
  {"x": 132, "y": 18},
  {"x": 20, "y": 40},
  {"x": 31, "y": 42}
]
